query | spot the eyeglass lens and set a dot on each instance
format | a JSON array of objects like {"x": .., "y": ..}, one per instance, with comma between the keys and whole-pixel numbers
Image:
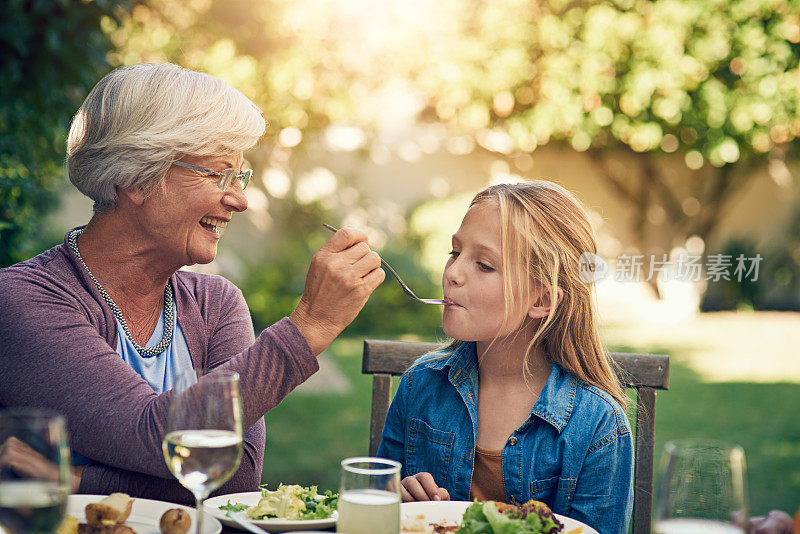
[{"x": 230, "y": 175}]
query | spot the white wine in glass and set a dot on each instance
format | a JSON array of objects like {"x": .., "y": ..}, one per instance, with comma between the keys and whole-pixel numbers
[
  {"x": 33, "y": 491},
  {"x": 701, "y": 488},
  {"x": 203, "y": 443},
  {"x": 369, "y": 496}
]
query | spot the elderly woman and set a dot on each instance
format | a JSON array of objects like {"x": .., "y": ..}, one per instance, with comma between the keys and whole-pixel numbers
[{"x": 99, "y": 327}]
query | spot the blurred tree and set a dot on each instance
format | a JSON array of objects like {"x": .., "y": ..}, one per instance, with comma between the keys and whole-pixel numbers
[
  {"x": 52, "y": 52},
  {"x": 635, "y": 84}
]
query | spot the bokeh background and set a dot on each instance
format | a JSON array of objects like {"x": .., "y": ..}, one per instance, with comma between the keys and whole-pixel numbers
[{"x": 675, "y": 121}]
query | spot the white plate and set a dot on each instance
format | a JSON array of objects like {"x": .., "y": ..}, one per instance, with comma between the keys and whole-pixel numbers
[
  {"x": 145, "y": 514},
  {"x": 450, "y": 512},
  {"x": 251, "y": 498}
]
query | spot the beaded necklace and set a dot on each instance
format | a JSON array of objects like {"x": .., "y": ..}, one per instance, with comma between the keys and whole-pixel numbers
[{"x": 166, "y": 339}]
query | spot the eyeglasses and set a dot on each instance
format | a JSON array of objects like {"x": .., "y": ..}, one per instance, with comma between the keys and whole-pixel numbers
[{"x": 226, "y": 176}]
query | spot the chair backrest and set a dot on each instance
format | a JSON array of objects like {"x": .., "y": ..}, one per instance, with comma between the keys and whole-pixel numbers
[{"x": 644, "y": 372}]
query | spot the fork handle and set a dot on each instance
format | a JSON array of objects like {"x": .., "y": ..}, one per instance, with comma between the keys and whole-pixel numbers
[{"x": 406, "y": 289}]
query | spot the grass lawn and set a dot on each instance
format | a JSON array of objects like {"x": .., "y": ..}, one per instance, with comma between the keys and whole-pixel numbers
[{"x": 308, "y": 434}]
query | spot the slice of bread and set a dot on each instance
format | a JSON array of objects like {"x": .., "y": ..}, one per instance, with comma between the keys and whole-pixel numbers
[{"x": 111, "y": 510}]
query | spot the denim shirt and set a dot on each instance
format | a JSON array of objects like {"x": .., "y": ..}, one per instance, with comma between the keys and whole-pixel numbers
[{"x": 574, "y": 452}]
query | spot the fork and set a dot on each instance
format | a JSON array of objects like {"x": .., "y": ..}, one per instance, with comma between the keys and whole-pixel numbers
[{"x": 406, "y": 289}]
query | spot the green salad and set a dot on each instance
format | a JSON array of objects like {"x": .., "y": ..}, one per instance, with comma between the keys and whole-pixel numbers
[
  {"x": 490, "y": 517},
  {"x": 288, "y": 502}
]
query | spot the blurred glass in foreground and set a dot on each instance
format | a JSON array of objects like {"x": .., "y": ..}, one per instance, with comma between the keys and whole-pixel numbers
[
  {"x": 34, "y": 470},
  {"x": 701, "y": 489}
]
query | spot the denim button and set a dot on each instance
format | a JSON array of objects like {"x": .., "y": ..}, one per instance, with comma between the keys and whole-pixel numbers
[{"x": 512, "y": 441}]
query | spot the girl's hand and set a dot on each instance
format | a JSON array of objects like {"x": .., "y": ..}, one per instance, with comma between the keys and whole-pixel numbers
[{"x": 422, "y": 487}]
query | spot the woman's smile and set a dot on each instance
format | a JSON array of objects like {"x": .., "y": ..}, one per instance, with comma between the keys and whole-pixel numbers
[{"x": 213, "y": 225}]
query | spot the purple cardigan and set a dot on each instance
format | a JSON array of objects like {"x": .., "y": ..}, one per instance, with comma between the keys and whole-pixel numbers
[{"x": 57, "y": 351}]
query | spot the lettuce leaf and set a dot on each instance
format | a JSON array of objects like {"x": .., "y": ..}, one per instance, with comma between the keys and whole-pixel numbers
[
  {"x": 320, "y": 508},
  {"x": 234, "y": 507},
  {"x": 474, "y": 521},
  {"x": 503, "y": 523}
]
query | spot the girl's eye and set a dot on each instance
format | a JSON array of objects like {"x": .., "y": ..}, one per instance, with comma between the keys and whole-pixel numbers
[
  {"x": 453, "y": 254},
  {"x": 485, "y": 268}
]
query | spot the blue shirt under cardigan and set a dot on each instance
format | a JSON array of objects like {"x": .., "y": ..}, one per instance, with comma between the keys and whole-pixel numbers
[
  {"x": 160, "y": 371},
  {"x": 574, "y": 452}
]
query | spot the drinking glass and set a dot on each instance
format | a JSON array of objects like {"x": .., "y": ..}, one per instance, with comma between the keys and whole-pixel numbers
[
  {"x": 369, "y": 496},
  {"x": 203, "y": 442},
  {"x": 702, "y": 489},
  {"x": 34, "y": 470}
]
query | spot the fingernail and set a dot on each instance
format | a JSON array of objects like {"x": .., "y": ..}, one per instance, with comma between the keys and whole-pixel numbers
[{"x": 437, "y": 498}]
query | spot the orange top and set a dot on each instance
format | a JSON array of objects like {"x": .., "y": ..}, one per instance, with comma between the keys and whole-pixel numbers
[{"x": 487, "y": 476}]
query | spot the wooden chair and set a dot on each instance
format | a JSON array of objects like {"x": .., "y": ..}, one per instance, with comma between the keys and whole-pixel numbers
[{"x": 644, "y": 372}]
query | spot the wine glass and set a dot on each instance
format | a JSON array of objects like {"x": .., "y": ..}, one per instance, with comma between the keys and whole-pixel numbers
[
  {"x": 34, "y": 470},
  {"x": 702, "y": 489},
  {"x": 369, "y": 496},
  {"x": 203, "y": 442}
]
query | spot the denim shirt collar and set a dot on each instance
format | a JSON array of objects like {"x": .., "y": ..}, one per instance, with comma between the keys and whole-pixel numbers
[
  {"x": 555, "y": 402},
  {"x": 557, "y": 399},
  {"x": 462, "y": 362}
]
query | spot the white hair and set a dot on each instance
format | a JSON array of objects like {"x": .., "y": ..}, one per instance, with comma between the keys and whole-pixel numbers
[{"x": 139, "y": 119}]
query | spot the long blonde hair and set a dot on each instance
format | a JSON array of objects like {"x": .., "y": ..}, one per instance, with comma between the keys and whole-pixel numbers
[{"x": 544, "y": 232}]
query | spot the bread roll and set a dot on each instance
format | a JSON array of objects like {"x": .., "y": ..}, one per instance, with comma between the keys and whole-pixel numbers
[{"x": 175, "y": 521}]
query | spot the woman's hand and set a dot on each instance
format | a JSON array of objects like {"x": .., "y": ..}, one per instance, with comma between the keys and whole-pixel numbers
[
  {"x": 25, "y": 461},
  {"x": 341, "y": 277},
  {"x": 422, "y": 487}
]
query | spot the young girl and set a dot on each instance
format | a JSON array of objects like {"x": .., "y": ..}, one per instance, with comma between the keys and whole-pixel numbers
[{"x": 525, "y": 403}]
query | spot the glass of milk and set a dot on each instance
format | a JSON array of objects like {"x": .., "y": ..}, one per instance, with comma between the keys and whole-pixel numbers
[{"x": 369, "y": 496}]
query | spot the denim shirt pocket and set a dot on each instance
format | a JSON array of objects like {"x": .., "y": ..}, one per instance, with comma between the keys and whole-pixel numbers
[
  {"x": 428, "y": 450},
  {"x": 557, "y": 492},
  {"x": 543, "y": 489}
]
